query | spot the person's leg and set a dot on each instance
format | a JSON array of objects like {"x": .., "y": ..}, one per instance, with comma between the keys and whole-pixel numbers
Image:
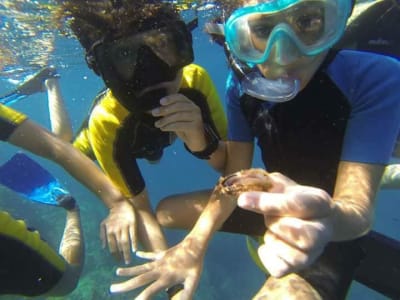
[
  {"x": 181, "y": 211},
  {"x": 71, "y": 249},
  {"x": 60, "y": 123}
]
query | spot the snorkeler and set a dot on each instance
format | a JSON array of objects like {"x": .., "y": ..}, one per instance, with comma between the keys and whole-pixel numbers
[
  {"x": 144, "y": 53},
  {"x": 316, "y": 115}
]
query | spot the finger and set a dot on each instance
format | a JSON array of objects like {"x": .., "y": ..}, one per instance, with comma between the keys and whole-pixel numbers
[
  {"x": 303, "y": 203},
  {"x": 125, "y": 246},
  {"x": 190, "y": 286},
  {"x": 153, "y": 289},
  {"x": 302, "y": 234},
  {"x": 112, "y": 245},
  {"x": 133, "y": 283},
  {"x": 175, "y": 98},
  {"x": 174, "y": 106},
  {"x": 186, "y": 118},
  {"x": 103, "y": 235},
  {"x": 275, "y": 265},
  {"x": 293, "y": 256},
  {"x": 133, "y": 271},
  {"x": 133, "y": 237},
  {"x": 273, "y": 204},
  {"x": 150, "y": 255}
]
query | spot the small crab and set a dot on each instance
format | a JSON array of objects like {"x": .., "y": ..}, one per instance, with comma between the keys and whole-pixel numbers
[{"x": 243, "y": 181}]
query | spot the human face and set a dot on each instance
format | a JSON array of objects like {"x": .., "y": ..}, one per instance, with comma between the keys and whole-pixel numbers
[
  {"x": 286, "y": 39},
  {"x": 143, "y": 60}
]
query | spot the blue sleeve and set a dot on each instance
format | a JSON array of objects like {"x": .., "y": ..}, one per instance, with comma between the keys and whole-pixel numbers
[
  {"x": 238, "y": 127},
  {"x": 371, "y": 83}
]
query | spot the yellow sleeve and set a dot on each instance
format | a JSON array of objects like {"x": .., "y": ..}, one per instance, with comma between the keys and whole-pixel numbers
[
  {"x": 10, "y": 119},
  {"x": 195, "y": 76}
]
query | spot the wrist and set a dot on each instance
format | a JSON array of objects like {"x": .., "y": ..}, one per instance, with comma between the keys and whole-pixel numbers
[
  {"x": 211, "y": 143},
  {"x": 349, "y": 222}
]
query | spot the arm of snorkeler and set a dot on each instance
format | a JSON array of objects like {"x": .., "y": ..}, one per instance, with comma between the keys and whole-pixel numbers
[
  {"x": 354, "y": 199},
  {"x": 183, "y": 262},
  {"x": 39, "y": 141}
]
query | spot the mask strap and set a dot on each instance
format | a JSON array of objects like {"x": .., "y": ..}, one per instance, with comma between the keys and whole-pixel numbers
[{"x": 90, "y": 57}]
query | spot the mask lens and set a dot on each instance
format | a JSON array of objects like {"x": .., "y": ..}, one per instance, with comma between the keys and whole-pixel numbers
[
  {"x": 123, "y": 56},
  {"x": 311, "y": 25},
  {"x": 172, "y": 45}
]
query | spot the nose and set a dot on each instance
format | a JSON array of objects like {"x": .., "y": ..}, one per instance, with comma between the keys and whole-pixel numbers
[{"x": 283, "y": 51}]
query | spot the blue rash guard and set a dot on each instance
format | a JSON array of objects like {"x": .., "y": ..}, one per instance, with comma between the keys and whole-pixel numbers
[
  {"x": 350, "y": 111},
  {"x": 371, "y": 84}
]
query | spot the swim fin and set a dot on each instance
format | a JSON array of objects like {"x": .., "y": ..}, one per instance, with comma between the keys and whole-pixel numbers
[
  {"x": 29, "y": 179},
  {"x": 33, "y": 84}
]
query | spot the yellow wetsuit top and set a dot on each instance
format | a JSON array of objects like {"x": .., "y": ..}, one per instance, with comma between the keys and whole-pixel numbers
[
  {"x": 10, "y": 119},
  {"x": 107, "y": 137},
  {"x": 29, "y": 266}
]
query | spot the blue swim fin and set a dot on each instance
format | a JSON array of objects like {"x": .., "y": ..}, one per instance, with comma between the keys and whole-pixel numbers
[{"x": 29, "y": 179}]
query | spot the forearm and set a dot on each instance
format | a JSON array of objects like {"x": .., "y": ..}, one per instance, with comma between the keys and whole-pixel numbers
[
  {"x": 218, "y": 159},
  {"x": 86, "y": 172},
  {"x": 214, "y": 215},
  {"x": 39, "y": 141},
  {"x": 149, "y": 230},
  {"x": 354, "y": 199}
]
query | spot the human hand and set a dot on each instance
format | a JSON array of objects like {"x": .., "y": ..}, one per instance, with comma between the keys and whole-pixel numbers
[
  {"x": 299, "y": 224},
  {"x": 118, "y": 230},
  {"x": 180, "y": 115},
  {"x": 179, "y": 264}
]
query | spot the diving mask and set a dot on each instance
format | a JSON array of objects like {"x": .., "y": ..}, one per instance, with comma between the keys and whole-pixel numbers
[
  {"x": 143, "y": 59},
  {"x": 310, "y": 26}
]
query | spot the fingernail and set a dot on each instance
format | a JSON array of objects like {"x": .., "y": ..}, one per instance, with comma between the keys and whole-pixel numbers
[
  {"x": 245, "y": 200},
  {"x": 112, "y": 289},
  {"x": 155, "y": 111},
  {"x": 157, "y": 124},
  {"x": 163, "y": 100}
]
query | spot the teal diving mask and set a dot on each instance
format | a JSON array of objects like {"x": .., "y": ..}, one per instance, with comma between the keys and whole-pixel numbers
[{"x": 308, "y": 27}]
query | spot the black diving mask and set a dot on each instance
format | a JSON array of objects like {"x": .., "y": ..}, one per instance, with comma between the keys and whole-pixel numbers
[{"x": 142, "y": 59}]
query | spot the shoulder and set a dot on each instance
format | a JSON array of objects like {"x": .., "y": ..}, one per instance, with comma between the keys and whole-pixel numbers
[
  {"x": 358, "y": 71},
  {"x": 106, "y": 105},
  {"x": 195, "y": 76},
  {"x": 360, "y": 63}
]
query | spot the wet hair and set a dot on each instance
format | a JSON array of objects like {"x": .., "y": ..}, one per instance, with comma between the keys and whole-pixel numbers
[{"x": 93, "y": 20}]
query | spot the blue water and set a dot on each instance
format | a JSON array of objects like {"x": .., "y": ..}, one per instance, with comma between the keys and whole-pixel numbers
[{"x": 228, "y": 271}]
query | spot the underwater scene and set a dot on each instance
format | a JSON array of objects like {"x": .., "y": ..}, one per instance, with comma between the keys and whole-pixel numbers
[{"x": 34, "y": 40}]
